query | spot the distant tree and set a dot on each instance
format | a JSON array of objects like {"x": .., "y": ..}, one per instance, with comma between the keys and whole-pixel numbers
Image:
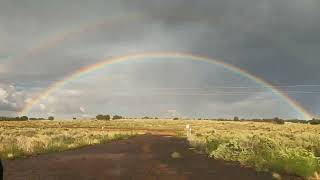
[
  {"x": 36, "y": 118},
  {"x": 51, "y": 118},
  {"x": 314, "y": 121},
  {"x": 115, "y": 117},
  {"x": 100, "y": 117},
  {"x": 103, "y": 117},
  {"x": 278, "y": 120},
  {"x": 236, "y": 118},
  {"x": 175, "y": 118},
  {"x": 107, "y": 117},
  {"x": 24, "y": 118},
  {"x": 74, "y": 118}
]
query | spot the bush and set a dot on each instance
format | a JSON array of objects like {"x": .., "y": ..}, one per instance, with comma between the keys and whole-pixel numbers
[
  {"x": 278, "y": 121},
  {"x": 24, "y": 118},
  {"x": 263, "y": 154},
  {"x": 51, "y": 118},
  {"x": 115, "y": 117},
  {"x": 103, "y": 117},
  {"x": 300, "y": 162},
  {"x": 314, "y": 122}
]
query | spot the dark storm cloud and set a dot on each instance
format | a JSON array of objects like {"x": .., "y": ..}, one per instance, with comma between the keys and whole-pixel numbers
[{"x": 277, "y": 40}]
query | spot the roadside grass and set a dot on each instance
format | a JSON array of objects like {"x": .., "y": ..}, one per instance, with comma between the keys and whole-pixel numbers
[
  {"x": 15, "y": 144},
  {"x": 260, "y": 152}
]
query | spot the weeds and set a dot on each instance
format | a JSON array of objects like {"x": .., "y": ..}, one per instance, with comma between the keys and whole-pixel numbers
[{"x": 262, "y": 153}]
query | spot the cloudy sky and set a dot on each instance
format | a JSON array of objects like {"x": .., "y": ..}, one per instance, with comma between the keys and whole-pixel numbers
[{"x": 42, "y": 42}]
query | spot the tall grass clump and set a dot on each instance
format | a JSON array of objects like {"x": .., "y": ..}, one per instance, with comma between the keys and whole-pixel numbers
[{"x": 262, "y": 153}]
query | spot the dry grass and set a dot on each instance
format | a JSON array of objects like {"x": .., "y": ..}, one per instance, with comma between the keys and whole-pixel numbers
[
  {"x": 22, "y": 141},
  {"x": 290, "y": 148}
]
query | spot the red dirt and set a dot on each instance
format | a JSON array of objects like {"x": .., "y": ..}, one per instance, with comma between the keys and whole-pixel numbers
[{"x": 141, "y": 157}]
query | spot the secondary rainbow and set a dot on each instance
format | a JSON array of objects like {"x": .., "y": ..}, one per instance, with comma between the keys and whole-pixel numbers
[
  {"x": 180, "y": 55},
  {"x": 62, "y": 36},
  {"x": 88, "y": 27}
]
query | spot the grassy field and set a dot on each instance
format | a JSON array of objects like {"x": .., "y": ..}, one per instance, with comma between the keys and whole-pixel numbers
[
  {"x": 21, "y": 141},
  {"x": 290, "y": 148}
]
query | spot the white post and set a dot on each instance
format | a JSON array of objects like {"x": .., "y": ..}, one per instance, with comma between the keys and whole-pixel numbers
[{"x": 188, "y": 128}]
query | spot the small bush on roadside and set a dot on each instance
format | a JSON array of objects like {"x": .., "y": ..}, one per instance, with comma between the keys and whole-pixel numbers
[{"x": 261, "y": 153}]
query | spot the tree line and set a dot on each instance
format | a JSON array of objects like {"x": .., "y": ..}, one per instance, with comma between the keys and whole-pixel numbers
[
  {"x": 108, "y": 117},
  {"x": 23, "y": 118},
  {"x": 275, "y": 120}
]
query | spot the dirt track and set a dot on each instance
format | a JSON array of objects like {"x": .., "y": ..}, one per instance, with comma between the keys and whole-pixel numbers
[{"x": 141, "y": 157}]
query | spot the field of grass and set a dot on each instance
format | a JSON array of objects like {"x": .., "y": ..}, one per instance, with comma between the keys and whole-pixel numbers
[
  {"x": 289, "y": 148},
  {"x": 22, "y": 141}
]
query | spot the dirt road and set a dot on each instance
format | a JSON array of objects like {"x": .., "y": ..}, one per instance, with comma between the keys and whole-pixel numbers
[{"x": 141, "y": 157}]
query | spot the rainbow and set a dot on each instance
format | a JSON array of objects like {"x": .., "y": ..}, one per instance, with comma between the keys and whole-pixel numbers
[
  {"x": 62, "y": 36},
  {"x": 88, "y": 27},
  {"x": 179, "y": 55}
]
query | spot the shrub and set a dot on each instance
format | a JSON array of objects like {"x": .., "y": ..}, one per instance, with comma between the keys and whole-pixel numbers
[
  {"x": 314, "y": 122},
  {"x": 262, "y": 153},
  {"x": 103, "y": 117},
  {"x": 300, "y": 162},
  {"x": 278, "y": 121},
  {"x": 115, "y": 117},
  {"x": 24, "y": 118}
]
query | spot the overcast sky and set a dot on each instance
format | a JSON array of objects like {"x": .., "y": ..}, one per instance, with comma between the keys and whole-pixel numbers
[{"x": 44, "y": 41}]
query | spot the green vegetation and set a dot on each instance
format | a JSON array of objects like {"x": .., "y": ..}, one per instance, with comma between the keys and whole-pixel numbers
[
  {"x": 116, "y": 117},
  {"x": 264, "y": 154},
  {"x": 103, "y": 117},
  {"x": 290, "y": 148},
  {"x": 108, "y": 117}
]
